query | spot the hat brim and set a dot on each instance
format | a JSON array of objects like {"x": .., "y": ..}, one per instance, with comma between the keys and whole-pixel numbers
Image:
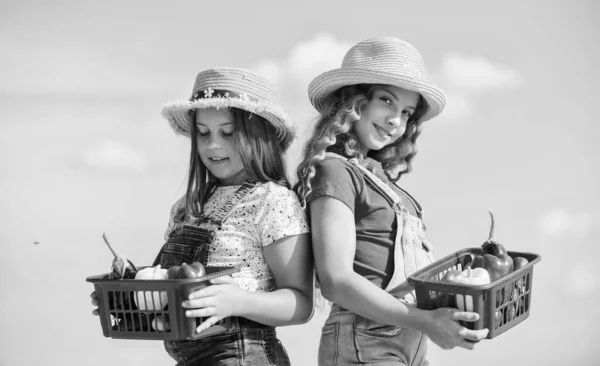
[
  {"x": 328, "y": 82},
  {"x": 177, "y": 113}
]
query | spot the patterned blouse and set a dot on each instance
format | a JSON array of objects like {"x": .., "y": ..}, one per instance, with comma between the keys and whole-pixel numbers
[{"x": 266, "y": 214}]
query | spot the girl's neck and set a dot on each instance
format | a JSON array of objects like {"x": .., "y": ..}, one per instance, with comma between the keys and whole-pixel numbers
[{"x": 236, "y": 180}]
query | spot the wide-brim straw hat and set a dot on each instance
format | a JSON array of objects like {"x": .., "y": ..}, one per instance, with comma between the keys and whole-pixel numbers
[
  {"x": 382, "y": 60},
  {"x": 225, "y": 87}
]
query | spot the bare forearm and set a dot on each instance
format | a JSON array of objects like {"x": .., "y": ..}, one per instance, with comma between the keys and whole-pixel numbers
[
  {"x": 280, "y": 307},
  {"x": 357, "y": 294}
]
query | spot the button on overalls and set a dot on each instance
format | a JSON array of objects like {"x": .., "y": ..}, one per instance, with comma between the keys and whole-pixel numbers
[{"x": 350, "y": 339}]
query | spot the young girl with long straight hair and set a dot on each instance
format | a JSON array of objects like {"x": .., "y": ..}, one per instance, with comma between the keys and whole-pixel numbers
[{"x": 238, "y": 211}]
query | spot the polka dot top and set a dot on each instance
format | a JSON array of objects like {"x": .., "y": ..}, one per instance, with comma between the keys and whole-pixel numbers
[{"x": 266, "y": 214}]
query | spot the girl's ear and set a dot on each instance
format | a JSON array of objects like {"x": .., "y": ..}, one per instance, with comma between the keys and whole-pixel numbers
[{"x": 360, "y": 105}]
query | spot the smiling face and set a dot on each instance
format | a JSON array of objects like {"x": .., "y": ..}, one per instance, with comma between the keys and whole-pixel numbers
[
  {"x": 216, "y": 146},
  {"x": 383, "y": 118}
]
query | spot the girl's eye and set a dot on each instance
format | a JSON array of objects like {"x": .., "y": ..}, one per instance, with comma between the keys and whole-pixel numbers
[
  {"x": 408, "y": 114},
  {"x": 227, "y": 133},
  {"x": 386, "y": 100},
  {"x": 203, "y": 133}
]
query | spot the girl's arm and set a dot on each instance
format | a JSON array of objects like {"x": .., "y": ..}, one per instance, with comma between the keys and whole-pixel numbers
[
  {"x": 290, "y": 261},
  {"x": 334, "y": 245}
]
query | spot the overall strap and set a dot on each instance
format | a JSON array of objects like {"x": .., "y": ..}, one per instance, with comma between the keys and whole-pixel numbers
[
  {"x": 415, "y": 203},
  {"x": 222, "y": 212},
  {"x": 379, "y": 185}
]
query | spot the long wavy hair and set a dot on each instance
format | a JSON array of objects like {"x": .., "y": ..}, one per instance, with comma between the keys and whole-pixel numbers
[
  {"x": 334, "y": 132},
  {"x": 256, "y": 142}
]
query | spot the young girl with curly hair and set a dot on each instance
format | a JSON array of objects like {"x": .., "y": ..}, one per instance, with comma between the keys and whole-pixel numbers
[{"x": 368, "y": 233}]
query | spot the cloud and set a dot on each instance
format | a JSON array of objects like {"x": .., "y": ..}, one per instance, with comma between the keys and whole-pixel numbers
[
  {"x": 458, "y": 106},
  {"x": 465, "y": 78},
  {"x": 292, "y": 74},
  {"x": 559, "y": 223},
  {"x": 476, "y": 73},
  {"x": 114, "y": 155}
]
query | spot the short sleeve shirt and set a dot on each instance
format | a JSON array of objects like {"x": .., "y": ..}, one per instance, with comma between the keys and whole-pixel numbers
[
  {"x": 375, "y": 219},
  {"x": 268, "y": 213}
]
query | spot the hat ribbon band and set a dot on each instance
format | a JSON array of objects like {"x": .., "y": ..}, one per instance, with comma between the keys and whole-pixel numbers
[{"x": 211, "y": 93}]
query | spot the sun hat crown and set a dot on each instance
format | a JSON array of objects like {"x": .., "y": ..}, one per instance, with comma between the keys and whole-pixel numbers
[
  {"x": 226, "y": 87},
  {"x": 381, "y": 60},
  {"x": 386, "y": 54}
]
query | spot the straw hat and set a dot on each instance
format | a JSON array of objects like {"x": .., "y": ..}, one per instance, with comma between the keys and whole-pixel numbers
[
  {"x": 226, "y": 87},
  {"x": 383, "y": 60}
]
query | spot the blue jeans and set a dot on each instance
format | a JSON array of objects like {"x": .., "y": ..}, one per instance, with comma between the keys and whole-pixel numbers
[
  {"x": 350, "y": 339},
  {"x": 248, "y": 343}
]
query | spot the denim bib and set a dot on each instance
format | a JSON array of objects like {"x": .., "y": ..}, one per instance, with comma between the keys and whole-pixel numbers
[
  {"x": 188, "y": 243},
  {"x": 411, "y": 250},
  {"x": 191, "y": 243}
]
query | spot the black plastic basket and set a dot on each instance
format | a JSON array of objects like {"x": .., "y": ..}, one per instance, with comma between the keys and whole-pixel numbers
[
  {"x": 501, "y": 304},
  {"x": 151, "y": 309}
]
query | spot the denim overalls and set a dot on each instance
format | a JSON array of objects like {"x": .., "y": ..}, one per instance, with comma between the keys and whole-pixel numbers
[
  {"x": 245, "y": 342},
  {"x": 350, "y": 339}
]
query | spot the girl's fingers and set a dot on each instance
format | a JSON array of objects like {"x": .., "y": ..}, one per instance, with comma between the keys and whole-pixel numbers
[
  {"x": 474, "y": 335},
  {"x": 200, "y": 313},
  {"x": 467, "y": 345},
  {"x": 465, "y": 316},
  {"x": 223, "y": 280},
  {"x": 205, "y": 292},
  {"x": 198, "y": 303},
  {"x": 207, "y": 324},
  {"x": 95, "y": 301},
  {"x": 95, "y": 312}
]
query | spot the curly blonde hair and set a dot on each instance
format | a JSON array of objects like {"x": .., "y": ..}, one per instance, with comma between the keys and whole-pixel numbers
[{"x": 334, "y": 133}]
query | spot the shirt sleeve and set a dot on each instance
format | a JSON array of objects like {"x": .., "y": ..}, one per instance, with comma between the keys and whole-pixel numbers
[
  {"x": 281, "y": 216},
  {"x": 336, "y": 178}
]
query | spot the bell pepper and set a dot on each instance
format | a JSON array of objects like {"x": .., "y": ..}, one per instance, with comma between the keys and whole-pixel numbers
[
  {"x": 186, "y": 271},
  {"x": 151, "y": 300},
  {"x": 520, "y": 262},
  {"x": 494, "y": 257},
  {"x": 477, "y": 276}
]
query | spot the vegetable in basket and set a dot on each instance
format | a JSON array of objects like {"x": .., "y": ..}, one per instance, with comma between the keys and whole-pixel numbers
[
  {"x": 494, "y": 257},
  {"x": 153, "y": 300},
  {"x": 477, "y": 276},
  {"x": 186, "y": 271},
  {"x": 121, "y": 266},
  {"x": 519, "y": 262}
]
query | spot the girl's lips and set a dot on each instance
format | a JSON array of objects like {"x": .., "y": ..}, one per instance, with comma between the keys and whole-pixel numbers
[
  {"x": 216, "y": 160},
  {"x": 383, "y": 132}
]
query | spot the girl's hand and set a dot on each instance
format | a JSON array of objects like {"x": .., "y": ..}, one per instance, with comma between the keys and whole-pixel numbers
[
  {"x": 94, "y": 302},
  {"x": 447, "y": 333},
  {"x": 224, "y": 298}
]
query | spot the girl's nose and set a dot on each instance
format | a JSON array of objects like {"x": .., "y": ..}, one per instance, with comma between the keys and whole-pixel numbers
[
  {"x": 394, "y": 122},
  {"x": 213, "y": 143}
]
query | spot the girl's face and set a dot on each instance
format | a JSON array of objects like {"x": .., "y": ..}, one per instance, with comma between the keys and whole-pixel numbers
[
  {"x": 383, "y": 118},
  {"x": 216, "y": 146}
]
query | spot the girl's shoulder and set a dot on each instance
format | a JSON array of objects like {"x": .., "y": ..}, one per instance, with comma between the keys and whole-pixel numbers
[
  {"x": 276, "y": 210},
  {"x": 337, "y": 167},
  {"x": 273, "y": 192}
]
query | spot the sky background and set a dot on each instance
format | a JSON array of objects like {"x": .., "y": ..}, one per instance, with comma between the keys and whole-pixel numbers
[{"x": 83, "y": 150}]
